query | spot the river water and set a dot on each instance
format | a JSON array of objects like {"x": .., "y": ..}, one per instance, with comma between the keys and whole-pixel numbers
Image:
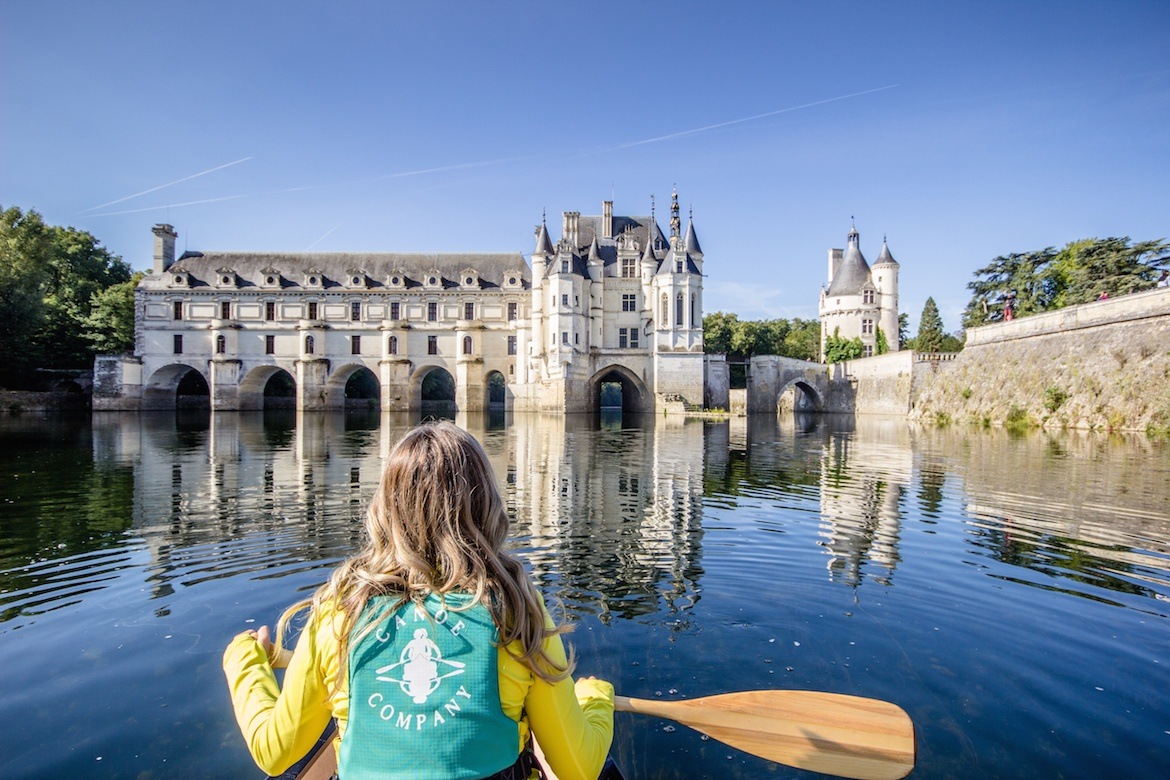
[{"x": 1009, "y": 591}]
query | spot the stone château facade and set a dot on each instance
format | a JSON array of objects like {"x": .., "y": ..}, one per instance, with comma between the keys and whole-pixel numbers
[
  {"x": 613, "y": 300},
  {"x": 858, "y": 301}
]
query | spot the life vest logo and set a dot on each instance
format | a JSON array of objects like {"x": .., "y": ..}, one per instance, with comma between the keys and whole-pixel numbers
[{"x": 420, "y": 669}]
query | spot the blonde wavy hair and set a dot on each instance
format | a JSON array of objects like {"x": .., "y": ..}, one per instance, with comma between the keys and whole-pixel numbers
[{"x": 437, "y": 524}]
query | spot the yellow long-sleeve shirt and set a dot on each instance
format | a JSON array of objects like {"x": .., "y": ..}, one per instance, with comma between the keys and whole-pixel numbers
[{"x": 572, "y": 721}]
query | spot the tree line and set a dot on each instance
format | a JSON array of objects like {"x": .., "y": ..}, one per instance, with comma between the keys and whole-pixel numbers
[
  {"x": 1046, "y": 279},
  {"x": 63, "y": 298}
]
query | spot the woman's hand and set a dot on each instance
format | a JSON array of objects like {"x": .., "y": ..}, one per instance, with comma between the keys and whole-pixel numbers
[{"x": 262, "y": 636}]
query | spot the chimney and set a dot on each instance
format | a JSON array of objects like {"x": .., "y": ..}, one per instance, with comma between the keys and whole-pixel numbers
[
  {"x": 570, "y": 220},
  {"x": 835, "y": 256},
  {"x": 607, "y": 219},
  {"x": 164, "y": 247}
]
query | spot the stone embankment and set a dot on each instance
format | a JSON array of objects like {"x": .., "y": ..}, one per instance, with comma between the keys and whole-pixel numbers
[{"x": 1097, "y": 366}]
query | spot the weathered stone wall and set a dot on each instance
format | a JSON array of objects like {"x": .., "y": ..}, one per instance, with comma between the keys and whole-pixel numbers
[{"x": 1098, "y": 366}]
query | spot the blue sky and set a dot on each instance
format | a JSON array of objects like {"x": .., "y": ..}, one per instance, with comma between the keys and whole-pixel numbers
[{"x": 961, "y": 131}]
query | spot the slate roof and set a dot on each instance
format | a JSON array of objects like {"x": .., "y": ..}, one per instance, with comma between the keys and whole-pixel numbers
[
  {"x": 885, "y": 258},
  {"x": 336, "y": 268},
  {"x": 853, "y": 273}
]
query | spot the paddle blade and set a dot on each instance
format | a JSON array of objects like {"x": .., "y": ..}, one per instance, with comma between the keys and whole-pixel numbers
[{"x": 831, "y": 733}]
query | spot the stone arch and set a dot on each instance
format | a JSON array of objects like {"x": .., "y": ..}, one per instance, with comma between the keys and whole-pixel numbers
[
  {"x": 177, "y": 385},
  {"x": 352, "y": 385},
  {"x": 636, "y": 397},
  {"x": 495, "y": 388},
  {"x": 267, "y": 387},
  {"x": 436, "y": 395},
  {"x": 798, "y": 396}
]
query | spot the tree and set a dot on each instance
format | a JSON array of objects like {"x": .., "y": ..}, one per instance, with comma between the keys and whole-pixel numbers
[
  {"x": 882, "y": 343},
  {"x": 49, "y": 277},
  {"x": 904, "y": 330},
  {"x": 1047, "y": 279},
  {"x": 838, "y": 348},
  {"x": 110, "y": 322},
  {"x": 717, "y": 330},
  {"x": 803, "y": 340},
  {"x": 930, "y": 329},
  {"x": 25, "y": 245}
]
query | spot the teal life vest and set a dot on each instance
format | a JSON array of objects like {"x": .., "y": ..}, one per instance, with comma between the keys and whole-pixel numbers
[{"x": 424, "y": 694}]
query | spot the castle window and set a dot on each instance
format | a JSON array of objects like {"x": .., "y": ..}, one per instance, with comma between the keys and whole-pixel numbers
[
  {"x": 624, "y": 338},
  {"x": 432, "y": 311},
  {"x": 357, "y": 281},
  {"x": 867, "y": 296},
  {"x": 564, "y": 337},
  {"x": 565, "y": 301},
  {"x": 629, "y": 302},
  {"x": 395, "y": 310},
  {"x": 511, "y": 345},
  {"x": 225, "y": 279},
  {"x": 270, "y": 310},
  {"x": 694, "y": 320},
  {"x": 432, "y": 345},
  {"x": 270, "y": 345},
  {"x": 432, "y": 281},
  {"x": 355, "y": 310},
  {"x": 312, "y": 310},
  {"x": 225, "y": 310},
  {"x": 867, "y": 327},
  {"x": 633, "y": 338},
  {"x": 177, "y": 308},
  {"x": 564, "y": 266},
  {"x": 312, "y": 280},
  {"x": 513, "y": 308},
  {"x": 678, "y": 310},
  {"x": 469, "y": 311},
  {"x": 310, "y": 347},
  {"x": 271, "y": 280},
  {"x": 469, "y": 281},
  {"x": 629, "y": 267},
  {"x": 220, "y": 344},
  {"x": 467, "y": 345},
  {"x": 355, "y": 345},
  {"x": 392, "y": 348},
  {"x": 678, "y": 266},
  {"x": 664, "y": 311},
  {"x": 178, "y": 344},
  {"x": 867, "y": 351}
]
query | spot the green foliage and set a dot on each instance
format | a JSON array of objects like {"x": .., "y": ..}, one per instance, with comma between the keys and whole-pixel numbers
[
  {"x": 49, "y": 277},
  {"x": 1048, "y": 279},
  {"x": 1017, "y": 418},
  {"x": 883, "y": 344},
  {"x": 930, "y": 329},
  {"x": 1054, "y": 397},
  {"x": 838, "y": 348},
  {"x": 904, "y": 330},
  {"x": 109, "y": 325},
  {"x": 743, "y": 339}
]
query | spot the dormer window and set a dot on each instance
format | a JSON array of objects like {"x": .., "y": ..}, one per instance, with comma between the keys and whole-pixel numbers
[
  {"x": 867, "y": 296},
  {"x": 433, "y": 279},
  {"x": 178, "y": 279},
  {"x": 564, "y": 266},
  {"x": 270, "y": 280},
  {"x": 314, "y": 278},
  {"x": 271, "y": 277}
]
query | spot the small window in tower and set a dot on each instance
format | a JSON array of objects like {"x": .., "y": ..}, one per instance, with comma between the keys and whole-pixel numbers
[
  {"x": 355, "y": 310},
  {"x": 467, "y": 345},
  {"x": 225, "y": 310},
  {"x": 678, "y": 266},
  {"x": 312, "y": 310},
  {"x": 355, "y": 345},
  {"x": 432, "y": 311},
  {"x": 395, "y": 310},
  {"x": 220, "y": 344},
  {"x": 629, "y": 267},
  {"x": 392, "y": 348},
  {"x": 565, "y": 301},
  {"x": 270, "y": 345},
  {"x": 564, "y": 266},
  {"x": 469, "y": 311},
  {"x": 432, "y": 345},
  {"x": 270, "y": 310},
  {"x": 633, "y": 338},
  {"x": 178, "y": 344},
  {"x": 513, "y": 309},
  {"x": 310, "y": 346},
  {"x": 178, "y": 310}
]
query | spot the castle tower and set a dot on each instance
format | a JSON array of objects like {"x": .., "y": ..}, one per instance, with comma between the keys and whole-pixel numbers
[{"x": 885, "y": 279}]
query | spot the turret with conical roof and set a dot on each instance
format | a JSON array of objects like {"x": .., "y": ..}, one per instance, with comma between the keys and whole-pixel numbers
[{"x": 853, "y": 272}]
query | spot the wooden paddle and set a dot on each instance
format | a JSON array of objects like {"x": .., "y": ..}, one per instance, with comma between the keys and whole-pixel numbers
[
  {"x": 831, "y": 733},
  {"x": 847, "y": 736}
]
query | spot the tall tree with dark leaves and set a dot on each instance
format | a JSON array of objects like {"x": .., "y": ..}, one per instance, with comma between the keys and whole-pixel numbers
[{"x": 930, "y": 329}]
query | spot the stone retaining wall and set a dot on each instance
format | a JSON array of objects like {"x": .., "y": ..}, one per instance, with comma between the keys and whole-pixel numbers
[{"x": 1098, "y": 366}]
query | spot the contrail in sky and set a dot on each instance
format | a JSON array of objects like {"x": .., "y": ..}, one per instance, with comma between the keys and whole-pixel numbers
[
  {"x": 749, "y": 118},
  {"x": 322, "y": 238},
  {"x": 167, "y": 206},
  {"x": 168, "y": 184}
]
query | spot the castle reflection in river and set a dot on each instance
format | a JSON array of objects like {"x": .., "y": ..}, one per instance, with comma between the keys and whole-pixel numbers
[{"x": 611, "y": 513}]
